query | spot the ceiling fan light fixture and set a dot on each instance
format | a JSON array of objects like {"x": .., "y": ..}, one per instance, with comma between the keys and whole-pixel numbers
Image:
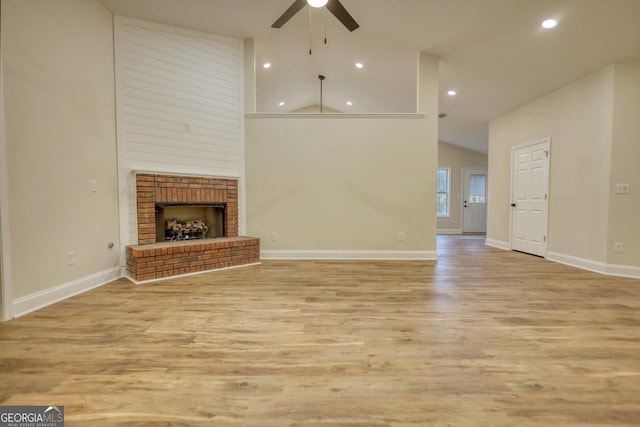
[
  {"x": 317, "y": 3},
  {"x": 334, "y": 7}
]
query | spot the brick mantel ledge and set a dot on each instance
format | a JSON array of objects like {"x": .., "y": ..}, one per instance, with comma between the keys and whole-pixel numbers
[{"x": 168, "y": 259}]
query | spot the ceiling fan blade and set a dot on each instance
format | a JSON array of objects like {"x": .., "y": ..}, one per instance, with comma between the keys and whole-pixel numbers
[
  {"x": 343, "y": 16},
  {"x": 288, "y": 14}
]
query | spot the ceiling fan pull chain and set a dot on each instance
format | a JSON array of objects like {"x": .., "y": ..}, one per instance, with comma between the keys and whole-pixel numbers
[{"x": 324, "y": 16}]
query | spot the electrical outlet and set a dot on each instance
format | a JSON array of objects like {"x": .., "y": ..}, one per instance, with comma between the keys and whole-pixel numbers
[
  {"x": 274, "y": 236},
  {"x": 401, "y": 237},
  {"x": 94, "y": 185},
  {"x": 618, "y": 247},
  {"x": 71, "y": 258}
]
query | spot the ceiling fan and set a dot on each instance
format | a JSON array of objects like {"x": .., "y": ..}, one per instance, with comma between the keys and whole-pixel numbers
[{"x": 334, "y": 6}]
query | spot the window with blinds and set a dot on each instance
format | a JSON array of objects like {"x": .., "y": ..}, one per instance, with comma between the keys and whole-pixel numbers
[{"x": 443, "y": 191}]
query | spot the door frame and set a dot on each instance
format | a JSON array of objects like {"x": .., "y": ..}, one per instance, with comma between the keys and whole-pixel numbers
[
  {"x": 6, "y": 297},
  {"x": 544, "y": 140},
  {"x": 486, "y": 169}
]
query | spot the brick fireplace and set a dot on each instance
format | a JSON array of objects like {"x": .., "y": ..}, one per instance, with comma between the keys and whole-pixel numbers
[{"x": 151, "y": 259}]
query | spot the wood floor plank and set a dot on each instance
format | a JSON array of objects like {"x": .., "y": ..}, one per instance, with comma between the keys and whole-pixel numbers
[{"x": 483, "y": 337}]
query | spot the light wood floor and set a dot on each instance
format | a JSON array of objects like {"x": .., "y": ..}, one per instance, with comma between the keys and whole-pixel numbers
[{"x": 483, "y": 337}]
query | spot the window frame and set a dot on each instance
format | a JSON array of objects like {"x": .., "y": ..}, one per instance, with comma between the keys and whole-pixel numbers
[{"x": 447, "y": 193}]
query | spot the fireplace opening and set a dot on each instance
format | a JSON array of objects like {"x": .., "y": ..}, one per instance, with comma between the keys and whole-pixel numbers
[{"x": 176, "y": 222}]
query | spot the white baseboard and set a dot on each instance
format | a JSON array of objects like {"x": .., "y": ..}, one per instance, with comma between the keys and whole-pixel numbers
[
  {"x": 498, "y": 244},
  {"x": 595, "y": 266},
  {"x": 38, "y": 300},
  {"x": 623, "y": 270},
  {"x": 350, "y": 255},
  {"x": 449, "y": 231},
  {"x": 583, "y": 263}
]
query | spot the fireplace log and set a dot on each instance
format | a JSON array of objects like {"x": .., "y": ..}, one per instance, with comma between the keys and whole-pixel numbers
[{"x": 185, "y": 230}]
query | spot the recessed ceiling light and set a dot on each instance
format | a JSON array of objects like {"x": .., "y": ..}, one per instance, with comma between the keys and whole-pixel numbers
[
  {"x": 549, "y": 23},
  {"x": 317, "y": 3},
  {"x": 349, "y": 103},
  {"x": 451, "y": 93},
  {"x": 359, "y": 65},
  {"x": 267, "y": 65},
  {"x": 281, "y": 103}
]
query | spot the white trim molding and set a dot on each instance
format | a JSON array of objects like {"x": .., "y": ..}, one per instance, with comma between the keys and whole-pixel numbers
[
  {"x": 334, "y": 116},
  {"x": 498, "y": 244},
  {"x": 595, "y": 266},
  {"x": 38, "y": 300},
  {"x": 6, "y": 289},
  {"x": 623, "y": 271},
  {"x": 349, "y": 255},
  {"x": 572, "y": 261},
  {"x": 449, "y": 231},
  {"x": 581, "y": 263}
]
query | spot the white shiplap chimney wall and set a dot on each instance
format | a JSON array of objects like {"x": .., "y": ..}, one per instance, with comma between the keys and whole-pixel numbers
[{"x": 179, "y": 106}]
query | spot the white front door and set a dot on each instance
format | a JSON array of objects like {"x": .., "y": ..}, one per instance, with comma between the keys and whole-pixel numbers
[
  {"x": 474, "y": 207},
  {"x": 530, "y": 198}
]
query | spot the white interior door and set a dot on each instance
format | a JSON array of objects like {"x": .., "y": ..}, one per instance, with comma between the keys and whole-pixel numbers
[
  {"x": 529, "y": 198},
  {"x": 474, "y": 208}
]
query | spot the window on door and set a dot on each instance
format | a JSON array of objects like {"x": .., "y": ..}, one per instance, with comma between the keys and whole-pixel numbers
[
  {"x": 477, "y": 188},
  {"x": 443, "y": 186}
]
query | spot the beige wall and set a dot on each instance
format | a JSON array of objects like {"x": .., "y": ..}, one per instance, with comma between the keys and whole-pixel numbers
[
  {"x": 584, "y": 136},
  {"x": 345, "y": 184},
  {"x": 579, "y": 121},
  {"x": 60, "y": 133},
  {"x": 624, "y": 209},
  {"x": 457, "y": 158}
]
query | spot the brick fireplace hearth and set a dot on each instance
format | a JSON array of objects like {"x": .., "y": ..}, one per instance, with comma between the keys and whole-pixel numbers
[{"x": 151, "y": 260}]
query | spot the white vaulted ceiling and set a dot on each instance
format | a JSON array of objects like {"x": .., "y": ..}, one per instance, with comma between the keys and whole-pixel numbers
[{"x": 493, "y": 52}]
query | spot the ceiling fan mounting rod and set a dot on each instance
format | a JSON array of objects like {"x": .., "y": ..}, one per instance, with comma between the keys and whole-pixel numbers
[
  {"x": 310, "y": 31},
  {"x": 321, "y": 77}
]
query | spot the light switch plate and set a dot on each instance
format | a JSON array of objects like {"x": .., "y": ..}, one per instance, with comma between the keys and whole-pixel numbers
[{"x": 622, "y": 188}]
